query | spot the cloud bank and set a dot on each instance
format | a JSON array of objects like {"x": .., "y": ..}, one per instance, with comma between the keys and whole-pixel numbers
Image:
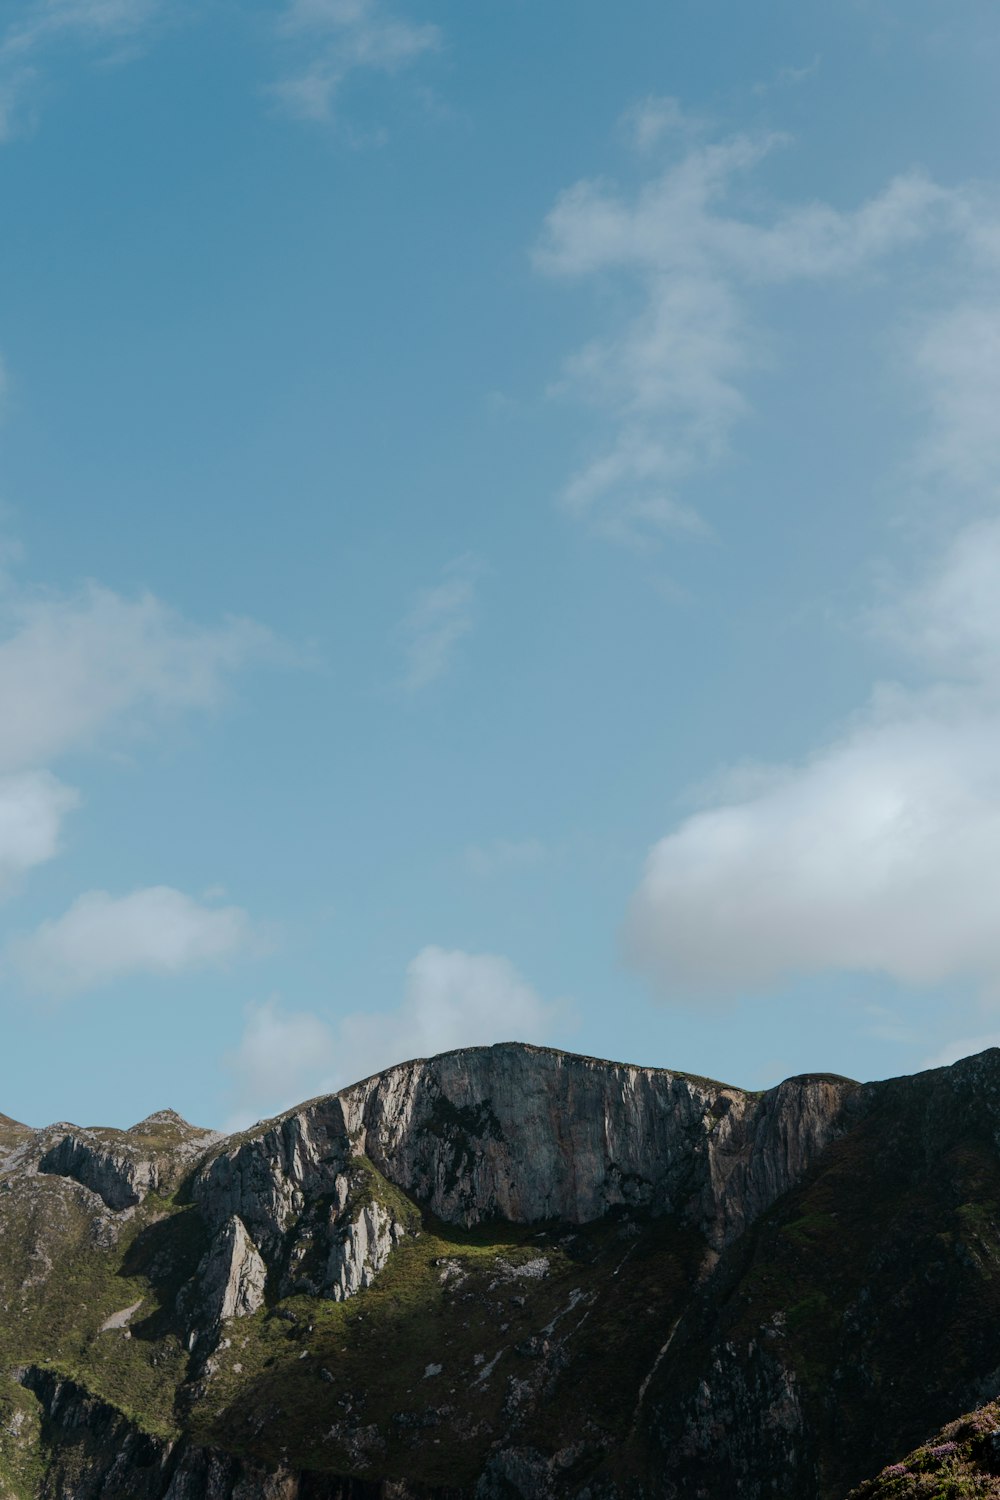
[{"x": 879, "y": 853}]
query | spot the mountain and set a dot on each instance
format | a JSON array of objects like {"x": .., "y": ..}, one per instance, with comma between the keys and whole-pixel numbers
[{"x": 511, "y": 1272}]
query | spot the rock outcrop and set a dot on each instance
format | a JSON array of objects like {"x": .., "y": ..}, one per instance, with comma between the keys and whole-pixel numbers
[
  {"x": 229, "y": 1281},
  {"x": 361, "y": 1251},
  {"x": 123, "y": 1166},
  {"x": 120, "y": 1177},
  {"x": 527, "y": 1134}
]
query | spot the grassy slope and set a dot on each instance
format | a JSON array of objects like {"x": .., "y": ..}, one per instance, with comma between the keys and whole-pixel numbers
[
  {"x": 962, "y": 1460},
  {"x": 345, "y": 1386},
  {"x": 446, "y": 1297}
]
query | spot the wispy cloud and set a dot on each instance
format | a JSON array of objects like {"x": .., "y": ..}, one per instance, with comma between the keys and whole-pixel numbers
[
  {"x": 504, "y": 854},
  {"x": 669, "y": 383},
  {"x": 103, "y": 938},
  {"x": 451, "y": 999},
  {"x": 332, "y": 39},
  {"x": 439, "y": 620},
  {"x": 656, "y": 118},
  {"x": 92, "y": 21},
  {"x": 41, "y": 27},
  {"x": 790, "y": 77}
]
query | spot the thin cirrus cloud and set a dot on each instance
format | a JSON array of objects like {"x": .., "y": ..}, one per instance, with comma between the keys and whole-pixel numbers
[
  {"x": 879, "y": 853},
  {"x": 103, "y": 938},
  {"x": 40, "y": 28},
  {"x": 670, "y": 381},
  {"x": 437, "y": 623},
  {"x": 502, "y": 855},
  {"x": 90, "y": 20},
  {"x": 328, "y": 40},
  {"x": 332, "y": 39},
  {"x": 451, "y": 999}
]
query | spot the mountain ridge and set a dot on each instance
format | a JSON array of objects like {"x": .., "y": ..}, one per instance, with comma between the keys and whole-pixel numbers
[{"x": 504, "y": 1271}]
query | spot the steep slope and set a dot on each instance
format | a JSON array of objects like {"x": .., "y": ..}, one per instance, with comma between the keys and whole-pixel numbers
[
  {"x": 503, "y": 1272},
  {"x": 963, "y": 1459}
]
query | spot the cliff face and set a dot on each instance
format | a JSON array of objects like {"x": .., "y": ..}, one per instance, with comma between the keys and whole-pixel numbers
[
  {"x": 503, "y": 1272},
  {"x": 527, "y": 1135}
]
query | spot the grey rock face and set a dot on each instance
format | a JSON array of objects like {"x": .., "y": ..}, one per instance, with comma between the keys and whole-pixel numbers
[
  {"x": 297, "y": 1190},
  {"x": 120, "y": 1166},
  {"x": 120, "y": 1177},
  {"x": 356, "y": 1259},
  {"x": 527, "y": 1134},
  {"x": 268, "y": 1180},
  {"x": 230, "y": 1280}
]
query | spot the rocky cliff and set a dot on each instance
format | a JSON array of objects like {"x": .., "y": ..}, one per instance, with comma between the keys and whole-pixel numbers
[{"x": 503, "y": 1272}]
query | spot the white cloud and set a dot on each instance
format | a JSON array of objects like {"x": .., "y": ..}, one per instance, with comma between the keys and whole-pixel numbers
[
  {"x": 441, "y": 617},
  {"x": 879, "y": 853},
  {"x": 104, "y": 938},
  {"x": 32, "y": 805},
  {"x": 75, "y": 668},
  {"x": 955, "y": 359},
  {"x": 283, "y": 1058},
  {"x": 341, "y": 37},
  {"x": 670, "y": 379},
  {"x": 90, "y": 670},
  {"x": 452, "y": 999},
  {"x": 951, "y": 618}
]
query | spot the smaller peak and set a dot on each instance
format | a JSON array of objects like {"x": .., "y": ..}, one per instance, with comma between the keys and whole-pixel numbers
[{"x": 158, "y": 1118}]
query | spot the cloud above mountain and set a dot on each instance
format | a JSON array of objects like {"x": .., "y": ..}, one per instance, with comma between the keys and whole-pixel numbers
[
  {"x": 451, "y": 999},
  {"x": 878, "y": 853}
]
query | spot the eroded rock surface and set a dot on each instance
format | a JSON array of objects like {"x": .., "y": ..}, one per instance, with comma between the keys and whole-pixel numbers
[
  {"x": 230, "y": 1279},
  {"x": 119, "y": 1177},
  {"x": 528, "y": 1134}
]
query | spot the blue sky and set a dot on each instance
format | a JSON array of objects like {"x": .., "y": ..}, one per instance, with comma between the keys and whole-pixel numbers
[{"x": 500, "y": 536}]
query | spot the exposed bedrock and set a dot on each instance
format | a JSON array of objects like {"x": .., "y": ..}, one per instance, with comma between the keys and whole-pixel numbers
[
  {"x": 527, "y": 1134},
  {"x": 229, "y": 1281},
  {"x": 119, "y": 1177}
]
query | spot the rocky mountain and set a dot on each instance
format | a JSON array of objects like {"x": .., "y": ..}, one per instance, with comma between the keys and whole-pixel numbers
[{"x": 511, "y": 1272}]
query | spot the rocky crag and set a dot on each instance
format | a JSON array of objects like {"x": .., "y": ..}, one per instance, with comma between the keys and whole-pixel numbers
[{"x": 506, "y": 1272}]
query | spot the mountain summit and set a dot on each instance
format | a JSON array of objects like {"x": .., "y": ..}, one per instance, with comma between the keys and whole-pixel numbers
[{"x": 508, "y": 1272}]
